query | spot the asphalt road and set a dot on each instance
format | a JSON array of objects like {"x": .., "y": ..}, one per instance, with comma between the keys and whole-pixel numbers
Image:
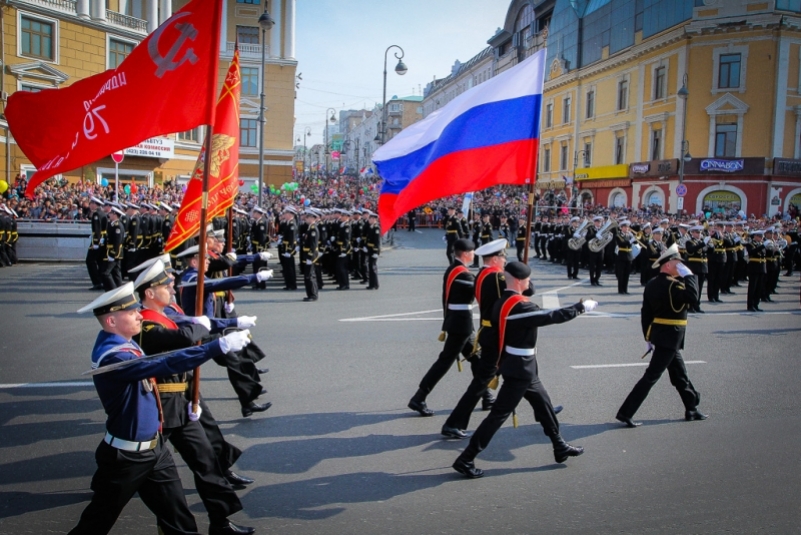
[{"x": 339, "y": 453}]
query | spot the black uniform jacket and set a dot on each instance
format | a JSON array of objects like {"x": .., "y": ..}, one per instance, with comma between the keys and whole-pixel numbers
[
  {"x": 665, "y": 304},
  {"x": 460, "y": 295}
]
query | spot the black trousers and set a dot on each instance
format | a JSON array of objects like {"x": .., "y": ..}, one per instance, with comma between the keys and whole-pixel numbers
[
  {"x": 226, "y": 453},
  {"x": 622, "y": 272},
  {"x": 258, "y": 263},
  {"x": 107, "y": 274},
  {"x": 455, "y": 344},
  {"x": 449, "y": 251},
  {"x": 342, "y": 271},
  {"x": 478, "y": 388},
  {"x": 596, "y": 264},
  {"x": 218, "y": 497},
  {"x": 92, "y": 266},
  {"x": 242, "y": 375},
  {"x": 520, "y": 246},
  {"x": 512, "y": 391},
  {"x": 573, "y": 261},
  {"x": 713, "y": 280},
  {"x": 364, "y": 266},
  {"x": 543, "y": 247},
  {"x": 310, "y": 280},
  {"x": 372, "y": 270},
  {"x": 288, "y": 270},
  {"x": 663, "y": 358},
  {"x": 756, "y": 288},
  {"x": 5, "y": 257},
  {"x": 726, "y": 276},
  {"x": 120, "y": 475}
]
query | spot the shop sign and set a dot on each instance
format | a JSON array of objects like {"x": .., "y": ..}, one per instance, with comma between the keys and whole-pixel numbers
[
  {"x": 722, "y": 196},
  {"x": 595, "y": 184},
  {"x": 655, "y": 168},
  {"x": 726, "y": 166},
  {"x": 783, "y": 167},
  {"x": 601, "y": 173},
  {"x": 154, "y": 147},
  {"x": 640, "y": 168}
]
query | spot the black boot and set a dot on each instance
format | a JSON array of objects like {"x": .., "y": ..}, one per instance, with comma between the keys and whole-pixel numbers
[
  {"x": 562, "y": 450},
  {"x": 418, "y": 403},
  {"x": 467, "y": 468}
]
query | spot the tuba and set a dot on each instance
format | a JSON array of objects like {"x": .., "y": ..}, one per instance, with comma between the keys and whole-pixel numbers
[
  {"x": 576, "y": 243},
  {"x": 604, "y": 236}
]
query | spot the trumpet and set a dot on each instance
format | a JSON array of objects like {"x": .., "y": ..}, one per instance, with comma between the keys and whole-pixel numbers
[{"x": 579, "y": 236}]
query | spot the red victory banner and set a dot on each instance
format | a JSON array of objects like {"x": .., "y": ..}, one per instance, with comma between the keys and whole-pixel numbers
[
  {"x": 167, "y": 84},
  {"x": 223, "y": 168}
]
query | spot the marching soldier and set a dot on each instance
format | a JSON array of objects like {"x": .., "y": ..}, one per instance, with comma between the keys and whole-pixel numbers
[
  {"x": 697, "y": 261},
  {"x": 95, "y": 255},
  {"x": 309, "y": 253},
  {"x": 464, "y": 225},
  {"x": 131, "y": 239},
  {"x": 650, "y": 253},
  {"x": 5, "y": 236},
  {"x": 667, "y": 299},
  {"x": 453, "y": 231},
  {"x": 545, "y": 236},
  {"x": 515, "y": 320},
  {"x": 573, "y": 258},
  {"x": 167, "y": 221},
  {"x": 772, "y": 264},
  {"x": 343, "y": 250},
  {"x": 757, "y": 270},
  {"x": 730, "y": 245},
  {"x": 520, "y": 239},
  {"x": 595, "y": 260},
  {"x": 457, "y": 305},
  {"x": 132, "y": 456},
  {"x": 373, "y": 246},
  {"x": 287, "y": 243},
  {"x": 623, "y": 241},
  {"x": 259, "y": 241},
  {"x": 111, "y": 275},
  {"x": 716, "y": 263}
]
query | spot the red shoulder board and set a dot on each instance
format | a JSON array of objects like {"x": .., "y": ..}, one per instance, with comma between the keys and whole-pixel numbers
[
  {"x": 154, "y": 317},
  {"x": 458, "y": 270}
]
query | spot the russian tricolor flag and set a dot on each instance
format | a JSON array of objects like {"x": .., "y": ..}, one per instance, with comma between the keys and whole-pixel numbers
[{"x": 486, "y": 136}]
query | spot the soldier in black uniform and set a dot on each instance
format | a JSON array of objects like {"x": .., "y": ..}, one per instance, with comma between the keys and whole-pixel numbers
[
  {"x": 373, "y": 245},
  {"x": 756, "y": 269},
  {"x": 132, "y": 458},
  {"x": 464, "y": 224},
  {"x": 111, "y": 276},
  {"x": 666, "y": 300},
  {"x": 96, "y": 252},
  {"x": 309, "y": 253},
  {"x": 595, "y": 260},
  {"x": 458, "y": 335},
  {"x": 167, "y": 221},
  {"x": 259, "y": 241},
  {"x": 343, "y": 250},
  {"x": 572, "y": 258},
  {"x": 358, "y": 256},
  {"x": 5, "y": 236},
  {"x": 730, "y": 245},
  {"x": 545, "y": 234},
  {"x": 697, "y": 261},
  {"x": 623, "y": 240},
  {"x": 287, "y": 243},
  {"x": 131, "y": 239},
  {"x": 650, "y": 253},
  {"x": 772, "y": 264},
  {"x": 514, "y": 321},
  {"x": 520, "y": 238},
  {"x": 187, "y": 430},
  {"x": 453, "y": 231},
  {"x": 716, "y": 256}
]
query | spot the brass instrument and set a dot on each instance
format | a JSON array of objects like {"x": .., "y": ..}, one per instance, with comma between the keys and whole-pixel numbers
[
  {"x": 604, "y": 236},
  {"x": 576, "y": 243}
]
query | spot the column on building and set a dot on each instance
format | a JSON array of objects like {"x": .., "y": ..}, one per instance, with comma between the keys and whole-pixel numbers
[
  {"x": 289, "y": 31},
  {"x": 166, "y": 10},
  {"x": 152, "y": 15},
  {"x": 82, "y": 9},
  {"x": 275, "y": 33},
  {"x": 98, "y": 10}
]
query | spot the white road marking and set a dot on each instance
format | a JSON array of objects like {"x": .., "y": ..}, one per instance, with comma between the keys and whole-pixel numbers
[
  {"x": 46, "y": 385},
  {"x": 550, "y": 300},
  {"x": 627, "y": 365},
  {"x": 396, "y": 317}
]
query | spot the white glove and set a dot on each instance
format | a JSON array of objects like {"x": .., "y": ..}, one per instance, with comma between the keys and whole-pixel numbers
[
  {"x": 649, "y": 346},
  {"x": 194, "y": 416},
  {"x": 231, "y": 256},
  {"x": 132, "y": 250},
  {"x": 364, "y": 249},
  {"x": 706, "y": 239},
  {"x": 264, "y": 275},
  {"x": 737, "y": 239},
  {"x": 590, "y": 305},
  {"x": 202, "y": 320},
  {"x": 358, "y": 240},
  {"x": 308, "y": 262},
  {"x": 109, "y": 259},
  {"x": 265, "y": 255},
  {"x": 632, "y": 240},
  {"x": 95, "y": 247},
  {"x": 234, "y": 341},
  {"x": 683, "y": 270},
  {"x": 297, "y": 249},
  {"x": 286, "y": 255},
  {"x": 229, "y": 308},
  {"x": 375, "y": 255},
  {"x": 576, "y": 235},
  {"x": 343, "y": 255},
  {"x": 102, "y": 241},
  {"x": 444, "y": 238},
  {"x": 245, "y": 322}
]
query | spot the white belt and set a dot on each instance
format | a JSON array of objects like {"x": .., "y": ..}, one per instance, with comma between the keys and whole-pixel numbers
[
  {"x": 127, "y": 445},
  {"x": 460, "y": 307},
  {"x": 521, "y": 352}
]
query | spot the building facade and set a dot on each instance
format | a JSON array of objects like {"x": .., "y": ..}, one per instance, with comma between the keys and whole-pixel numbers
[
  {"x": 54, "y": 43},
  {"x": 686, "y": 105}
]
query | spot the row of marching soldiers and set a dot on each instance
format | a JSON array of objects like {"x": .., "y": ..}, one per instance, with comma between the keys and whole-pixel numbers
[{"x": 722, "y": 254}]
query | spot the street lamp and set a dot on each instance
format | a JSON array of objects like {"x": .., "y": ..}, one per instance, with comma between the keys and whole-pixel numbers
[
  {"x": 325, "y": 125},
  {"x": 266, "y": 22},
  {"x": 685, "y": 145},
  {"x": 401, "y": 69}
]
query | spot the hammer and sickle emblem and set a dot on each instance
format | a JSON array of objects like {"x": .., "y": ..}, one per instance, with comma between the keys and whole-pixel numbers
[{"x": 169, "y": 62}]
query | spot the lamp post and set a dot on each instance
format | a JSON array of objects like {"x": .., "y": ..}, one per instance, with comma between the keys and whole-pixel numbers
[
  {"x": 306, "y": 134},
  {"x": 325, "y": 125},
  {"x": 266, "y": 22},
  {"x": 401, "y": 69},
  {"x": 685, "y": 145}
]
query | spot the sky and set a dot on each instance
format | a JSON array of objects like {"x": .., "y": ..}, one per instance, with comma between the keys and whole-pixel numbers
[{"x": 340, "y": 50}]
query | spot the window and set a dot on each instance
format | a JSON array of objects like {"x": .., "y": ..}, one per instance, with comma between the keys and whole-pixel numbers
[
  {"x": 248, "y": 132},
  {"x": 566, "y": 110},
  {"x": 563, "y": 159},
  {"x": 659, "y": 83},
  {"x": 729, "y": 71},
  {"x": 590, "y": 104},
  {"x": 36, "y": 38},
  {"x": 725, "y": 140},
  {"x": 549, "y": 115},
  {"x": 546, "y": 159},
  {"x": 248, "y": 34},
  {"x": 30, "y": 88},
  {"x": 620, "y": 147},
  {"x": 190, "y": 135},
  {"x": 250, "y": 80},
  {"x": 656, "y": 145},
  {"x": 587, "y": 154},
  {"x": 118, "y": 51},
  {"x": 622, "y": 95}
]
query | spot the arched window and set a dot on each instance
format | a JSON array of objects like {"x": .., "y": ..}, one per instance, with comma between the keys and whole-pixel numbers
[{"x": 524, "y": 19}]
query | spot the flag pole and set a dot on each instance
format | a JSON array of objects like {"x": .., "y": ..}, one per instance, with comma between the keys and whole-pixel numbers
[
  {"x": 204, "y": 203},
  {"x": 229, "y": 240}
]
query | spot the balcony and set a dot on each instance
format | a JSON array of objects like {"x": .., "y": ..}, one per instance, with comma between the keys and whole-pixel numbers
[
  {"x": 246, "y": 50},
  {"x": 120, "y": 20},
  {"x": 63, "y": 6}
]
